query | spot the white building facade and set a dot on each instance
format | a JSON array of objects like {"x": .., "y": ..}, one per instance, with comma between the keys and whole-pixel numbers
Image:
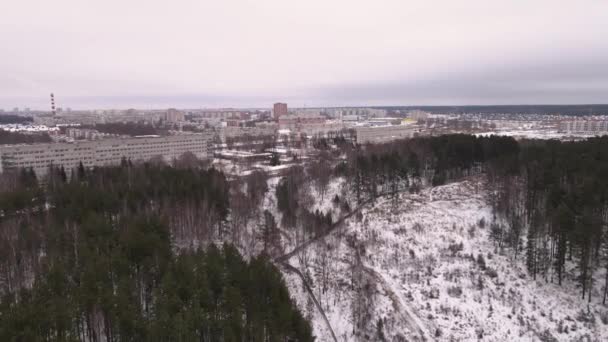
[{"x": 40, "y": 157}]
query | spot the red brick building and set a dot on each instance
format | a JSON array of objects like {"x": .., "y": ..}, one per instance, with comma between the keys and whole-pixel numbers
[{"x": 279, "y": 109}]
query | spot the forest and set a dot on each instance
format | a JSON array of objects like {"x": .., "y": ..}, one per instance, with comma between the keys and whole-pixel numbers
[
  {"x": 557, "y": 195},
  {"x": 92, "y": 257},
  {"x": 153, "y": 251},
  {"x": 550, "y": 198},
  {"x": 571, "y": 110},
  {"x": 129, "y": 128},
  {"x": 15, "y": 119},
  {"x": 10, "y": 138}
]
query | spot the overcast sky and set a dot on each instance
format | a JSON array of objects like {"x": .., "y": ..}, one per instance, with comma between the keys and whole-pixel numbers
[{"x": 202, "y": 53}]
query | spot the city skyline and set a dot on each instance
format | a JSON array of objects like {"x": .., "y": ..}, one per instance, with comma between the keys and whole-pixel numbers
[{"x": 339, "y": 53}]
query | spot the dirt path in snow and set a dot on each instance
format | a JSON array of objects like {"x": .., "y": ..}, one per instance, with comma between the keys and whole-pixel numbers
[
  {"x": 312, "y": 295},
  {"x": 400, "y": 304},
  {"x": 335, "y": 225}
]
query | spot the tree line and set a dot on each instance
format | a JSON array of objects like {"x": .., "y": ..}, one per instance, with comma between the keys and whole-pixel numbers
[
  {"x": 15, "y": 119},
  {"x": 124, "y": 253},
  {"x": 550, "y": 198},
  {"x": 128, "y": 128},
  {"x": 555, "y": 205},
  {"x": 11, "y": 138},
  {"x": 409, "y": 164}
]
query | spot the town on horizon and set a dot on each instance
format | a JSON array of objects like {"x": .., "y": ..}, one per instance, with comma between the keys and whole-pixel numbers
[
  {"x": 68, "y": 138},
  {"x": 304, "y": 171}
]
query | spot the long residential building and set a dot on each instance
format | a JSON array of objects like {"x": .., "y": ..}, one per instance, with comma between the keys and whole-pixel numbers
[
  {"x": 300, "y": 120},
  {"x": 382, "y": 134},
  {"x": 101, "y": 152},
  {"x": 584, "y": 126}
]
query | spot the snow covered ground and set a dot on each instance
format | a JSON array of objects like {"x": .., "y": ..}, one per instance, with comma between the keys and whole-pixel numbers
[
  {"x": 541, "y": 134},
  {"x": 411, "y": 270}
]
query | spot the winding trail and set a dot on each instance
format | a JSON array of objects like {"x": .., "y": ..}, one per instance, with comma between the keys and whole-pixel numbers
[
  {"x": 282, "y": 260},
  {"x": 399, "y": 302},
  {"x": 290, "y": 268},
  {"x": 335, "y": 225},
  {"x": 407, "y": 316},
  {"x": 401, "y": 305}
]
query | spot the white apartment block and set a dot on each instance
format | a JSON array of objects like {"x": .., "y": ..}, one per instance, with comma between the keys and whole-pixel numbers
[
  {"x": 381, "y": 134},
  {"x": 101, "y": 152},
  {"x": 235, "y": 131},
  {"x": 366, "y": 112},
  {"x": 584, "y": 126}
]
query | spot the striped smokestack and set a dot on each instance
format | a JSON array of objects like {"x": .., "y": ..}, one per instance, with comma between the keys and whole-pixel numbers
[{"x": 53, "y": 104}]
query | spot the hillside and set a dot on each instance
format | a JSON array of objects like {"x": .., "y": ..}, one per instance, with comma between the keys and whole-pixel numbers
[
  {"x": 450, "y": 238},
  {"x": 424, "y": 268}
]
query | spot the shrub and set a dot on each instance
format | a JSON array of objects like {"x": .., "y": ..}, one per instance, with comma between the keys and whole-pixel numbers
[
  {"x": 480, "y": 284},
  {"x": 546, "y": 336},
  {"x": 346, "y": 206},
  {"x": 471, "y": 231},
  {"x": 455, "y": 291},
  {"x": 455, "y": 248},
  {"x": 481, "y": 262},
  {"x": 336, "y": 200},
  {"x": 412, "y": 254},
  {"x": 583, "y": 316}
]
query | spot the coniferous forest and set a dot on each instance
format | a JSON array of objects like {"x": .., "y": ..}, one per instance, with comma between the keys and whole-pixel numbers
[
  {"x": 557, "y": 195},
  {"x": 90, "y": 257},
  {"x": 126, "y": 253},
  {"x": 550, "y": 198},
  {"x": 7, "y": 138}
]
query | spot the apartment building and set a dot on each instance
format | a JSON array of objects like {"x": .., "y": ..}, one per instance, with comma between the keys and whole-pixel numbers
[
  {"x": 381, "y": 134},
  {"x": 355, "y": 111},
  {"x": 101, "y": 152},
  {"x": 279, "y": 109},
  {"x": 173, "y": 115},
  {"x": 584, "y": 126},
  {"x": 299, "y": 120},
  {"x": 256, "y": 131}
]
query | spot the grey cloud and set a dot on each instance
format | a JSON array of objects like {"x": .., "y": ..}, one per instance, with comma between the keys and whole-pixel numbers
[
  {"x": 544, "y": 82},
  {"x": 192, "y": 53}
]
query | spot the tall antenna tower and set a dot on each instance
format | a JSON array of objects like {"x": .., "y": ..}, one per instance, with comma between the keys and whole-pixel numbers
[{"x": 53, "y": 104}]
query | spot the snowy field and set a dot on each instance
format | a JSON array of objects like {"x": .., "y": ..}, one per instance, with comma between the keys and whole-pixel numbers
[
  {"x": 422, "y": 268},
  {"x": 540, "y": 134}
]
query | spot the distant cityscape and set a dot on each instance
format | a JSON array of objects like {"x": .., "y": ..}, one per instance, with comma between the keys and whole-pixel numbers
[{"x": 68, "y": 138}]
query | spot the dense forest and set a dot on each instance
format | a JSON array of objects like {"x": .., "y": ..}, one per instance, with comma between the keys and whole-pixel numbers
[
  {"x": 550, "y": 198},
  {"x": 375, "y": 170},
  {"x": 129, "y": 128},
  {"x": 131, "y": 252},
  {"x": 409, "y": 164},
  {"x": 10, "y": 138},
  {"x": 95, "y": 257},
  {"x": 15, "y": 119},
  {"x": 574, "y": 110},
  {"x": 557, "y": 195}
]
